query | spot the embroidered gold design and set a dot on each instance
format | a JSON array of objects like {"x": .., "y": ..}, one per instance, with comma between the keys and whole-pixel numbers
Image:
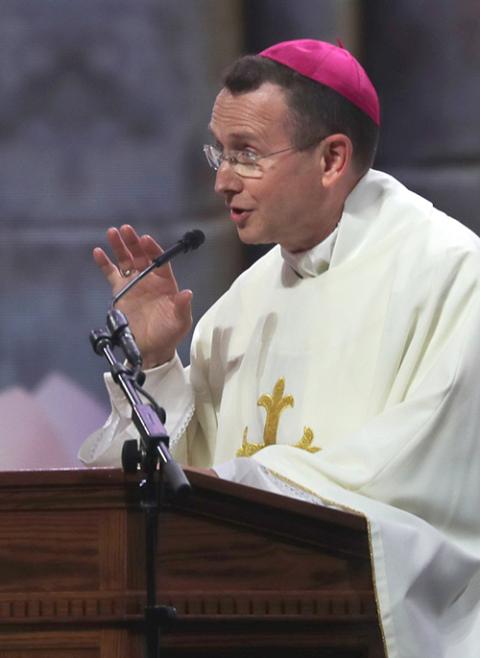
[
  {"x": 305, "y": 442},
  {"x": 248, "y": 449},
  {"x": 274, "y": 405}
]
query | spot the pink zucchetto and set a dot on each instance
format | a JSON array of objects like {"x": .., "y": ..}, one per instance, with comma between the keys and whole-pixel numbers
[{"x": 331, "y": 65}]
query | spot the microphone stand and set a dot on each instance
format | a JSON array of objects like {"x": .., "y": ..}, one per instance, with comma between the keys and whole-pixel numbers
[{"x": 151, "y": 456}]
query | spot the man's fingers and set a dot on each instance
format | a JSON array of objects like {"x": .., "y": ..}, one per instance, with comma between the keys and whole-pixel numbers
[
  {"x": 154, "y": 250},
  {"x": 125, "y": 245},
  {"x": 133, "y": 244},
  {"x": 131, "y": 253},
  {"x": 110, "y": 271},
  {"x": 184, "y": 297},
  {"x": 125, "y": 262},
  {"x": 183, "y": 300},
  {"x": 151, "y": 247},
  {"x": 101, "y": 259}
]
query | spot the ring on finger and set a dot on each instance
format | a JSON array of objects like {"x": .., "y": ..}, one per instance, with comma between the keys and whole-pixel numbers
[{"x": 126, "y": 272}]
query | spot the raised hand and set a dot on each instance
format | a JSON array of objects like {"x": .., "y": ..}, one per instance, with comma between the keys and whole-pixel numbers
[{"x": 158, "y": 313}]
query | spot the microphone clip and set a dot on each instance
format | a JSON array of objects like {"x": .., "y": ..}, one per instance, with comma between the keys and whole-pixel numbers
[
  {"x": 117, "y": 333},
  {"x": 122, "y": 337}
]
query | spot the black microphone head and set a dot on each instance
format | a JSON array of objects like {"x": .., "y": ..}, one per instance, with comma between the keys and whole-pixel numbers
[{"x": 193, "y": 239}]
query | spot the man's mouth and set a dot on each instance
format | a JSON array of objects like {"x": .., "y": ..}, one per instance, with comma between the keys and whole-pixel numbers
[{"x": 238, "y": 214}]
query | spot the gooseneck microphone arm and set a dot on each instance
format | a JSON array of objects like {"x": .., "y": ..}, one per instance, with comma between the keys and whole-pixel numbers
[{"x": 191, "y": 240}]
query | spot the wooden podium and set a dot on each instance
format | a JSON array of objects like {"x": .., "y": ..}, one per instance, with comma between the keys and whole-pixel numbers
[{"x": 250, "y": 574}]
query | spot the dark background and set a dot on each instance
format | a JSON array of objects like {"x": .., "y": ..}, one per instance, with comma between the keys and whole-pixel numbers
[{"x": 103, "y": 109}]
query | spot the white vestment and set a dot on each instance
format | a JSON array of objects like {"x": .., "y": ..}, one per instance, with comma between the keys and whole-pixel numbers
[{"x": 354, "y": 378}]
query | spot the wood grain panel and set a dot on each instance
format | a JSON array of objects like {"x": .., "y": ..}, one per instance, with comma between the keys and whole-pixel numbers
[
  {"x": 235, "y": 563},
  {"x": 47, "y": 550}
]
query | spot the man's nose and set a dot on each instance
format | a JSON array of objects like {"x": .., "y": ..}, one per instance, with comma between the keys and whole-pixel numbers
[{"x": 227, "y": 180}]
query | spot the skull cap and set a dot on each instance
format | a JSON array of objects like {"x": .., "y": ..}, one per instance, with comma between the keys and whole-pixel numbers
[{"x": 331, "y": 65}]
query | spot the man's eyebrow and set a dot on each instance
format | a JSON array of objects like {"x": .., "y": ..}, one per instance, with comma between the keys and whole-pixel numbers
[{"x": 244, "y": 136}]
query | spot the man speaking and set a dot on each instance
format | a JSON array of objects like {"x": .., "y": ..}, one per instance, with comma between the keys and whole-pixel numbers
[{"x": 343, "y": 365}]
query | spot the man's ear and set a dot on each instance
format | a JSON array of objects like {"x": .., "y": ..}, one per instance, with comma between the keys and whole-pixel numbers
[{"x": 336, "y": 153}]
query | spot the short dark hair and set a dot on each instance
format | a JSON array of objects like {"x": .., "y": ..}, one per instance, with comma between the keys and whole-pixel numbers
[{"x": 316, "y": 109}]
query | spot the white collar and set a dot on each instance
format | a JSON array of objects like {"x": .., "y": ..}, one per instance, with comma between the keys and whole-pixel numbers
[{"x": 314, "y": 261}]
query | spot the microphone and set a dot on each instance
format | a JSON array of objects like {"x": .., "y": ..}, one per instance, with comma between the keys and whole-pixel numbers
[{"x": 190, "y": 241}]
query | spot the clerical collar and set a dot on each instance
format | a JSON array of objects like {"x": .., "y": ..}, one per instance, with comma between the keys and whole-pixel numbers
[{"x": 314, "y": 261}]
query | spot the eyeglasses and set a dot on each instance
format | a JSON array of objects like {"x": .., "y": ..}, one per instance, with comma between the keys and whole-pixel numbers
[{"x": 244, "y": 163}]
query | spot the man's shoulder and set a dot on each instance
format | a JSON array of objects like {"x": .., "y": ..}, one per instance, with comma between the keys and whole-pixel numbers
[{"x": 417, "y": 216}]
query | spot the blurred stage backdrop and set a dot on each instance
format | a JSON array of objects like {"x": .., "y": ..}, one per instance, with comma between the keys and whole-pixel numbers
[{"x": 103, "y": 113}]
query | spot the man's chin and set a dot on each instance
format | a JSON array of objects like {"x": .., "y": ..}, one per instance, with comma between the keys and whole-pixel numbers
[{"x": 251, "y": 237}]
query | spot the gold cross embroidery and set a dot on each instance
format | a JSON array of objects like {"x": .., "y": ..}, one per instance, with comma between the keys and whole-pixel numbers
[{"x": 274, "y": 405}]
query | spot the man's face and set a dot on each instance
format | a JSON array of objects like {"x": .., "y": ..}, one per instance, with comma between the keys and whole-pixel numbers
[{"x": 285, "y": 205}]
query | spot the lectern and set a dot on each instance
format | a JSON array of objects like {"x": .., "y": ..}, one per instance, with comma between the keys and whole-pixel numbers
[{"x": 251, "y": 574}]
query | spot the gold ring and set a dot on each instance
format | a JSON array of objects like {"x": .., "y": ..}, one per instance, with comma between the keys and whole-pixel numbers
[{"x": 126, "y": 273}]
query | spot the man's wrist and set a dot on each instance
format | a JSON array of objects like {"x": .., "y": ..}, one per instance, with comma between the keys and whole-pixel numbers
[{"x": 150, "y": 363}]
